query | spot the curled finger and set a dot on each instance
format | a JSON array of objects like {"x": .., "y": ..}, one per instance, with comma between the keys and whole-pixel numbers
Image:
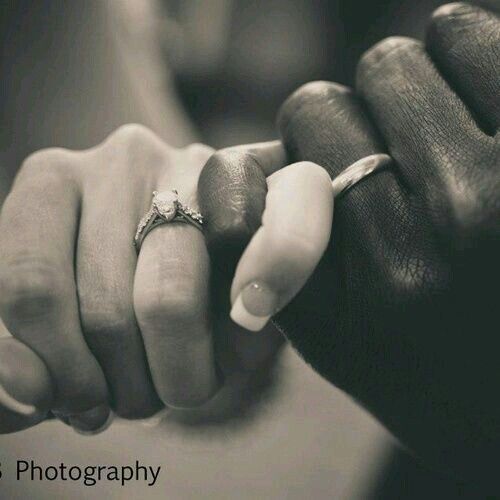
[{"x": 285, "y": 250}]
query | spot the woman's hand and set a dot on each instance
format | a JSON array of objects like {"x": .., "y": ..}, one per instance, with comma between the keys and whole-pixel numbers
[
  {"x": 96, "y": 328},
  {"x": 401, "y": 312}
]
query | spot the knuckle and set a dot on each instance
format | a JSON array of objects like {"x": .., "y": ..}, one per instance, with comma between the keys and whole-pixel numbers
[
  {"x": 386, "y": 54},
  {"x": 135, "y": 138},
  {"x": 305, "y": 250},
  {"x": 414, "y": 278},
  {"x": 310, "y": 94},
  {"x": 174, "y": 303},
  {"x": 106, "y": 318},
  {"x": 318, "y": 90},
  {"x": 133, "y": 132},
  {"x": 475, "y": 213},
  {"x": 82, "y": 391},
  {"x": 29, "y": 288},
  {"x": 79, "y": 381},
  {"x": 450, "y": 13},
  {"x": 132, "y": 146},
  {"x": 313, "y": 171},
  {"x": 304, "y": 254},
  {"x": 48, "y": 156},
  {"x": 199, "y": 150},
  {"x": 52, "y": 165},
  {"x": 470, "y": 211},
  {"x": 111, "y": 331}
]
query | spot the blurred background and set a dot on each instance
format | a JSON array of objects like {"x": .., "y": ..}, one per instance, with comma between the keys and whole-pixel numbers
[
  {"x": 235, "y": 61},
  {"x": 214, "y": 71}
]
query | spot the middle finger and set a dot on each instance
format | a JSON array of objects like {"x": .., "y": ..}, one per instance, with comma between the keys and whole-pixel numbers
[{"x": 106, "y": 263}]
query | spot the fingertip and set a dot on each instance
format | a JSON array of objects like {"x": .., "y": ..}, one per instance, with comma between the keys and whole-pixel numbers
[
  {"x": 308, "y": 171},
  {"x": 377, "y": 59},
  {"x": 231, "y": 192},
  {"x": 26, "y": 392},
  {"x": 326, "y": 123},
  {"x": 12, "y": 404},
  {"x": 450, "y": 9},
  {"x": 25, "y": 383},
  {"x": 448, "y": 21},
  {"x": 308, "y": 99},
  {"x": 307, "y": 94},
  {"x": 92, "y": 422}
]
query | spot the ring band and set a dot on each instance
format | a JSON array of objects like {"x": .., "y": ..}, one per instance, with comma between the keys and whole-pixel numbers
[
  {"x": 165, "y": 208},
  {"x": 358, "y": 171}
]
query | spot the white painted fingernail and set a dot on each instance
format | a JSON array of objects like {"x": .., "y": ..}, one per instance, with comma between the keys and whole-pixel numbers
[
  {"x": 254, "y": 307},
  {"x": 12, "y": 404}
]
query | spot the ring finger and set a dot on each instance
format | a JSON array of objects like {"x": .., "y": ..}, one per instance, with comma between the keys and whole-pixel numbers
[{"x": 171, "y": 300}]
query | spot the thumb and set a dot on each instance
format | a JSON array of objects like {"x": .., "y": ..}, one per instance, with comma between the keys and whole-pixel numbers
[
  {"x": 25, "y": 387},
  {"x": 284, "y": 252}
]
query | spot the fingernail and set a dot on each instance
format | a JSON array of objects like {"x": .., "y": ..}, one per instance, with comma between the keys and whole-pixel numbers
[
  {"x": 254, "y": 306},
  {"x": 11, "y": 403},
  {"x": 92, "y": 421}
]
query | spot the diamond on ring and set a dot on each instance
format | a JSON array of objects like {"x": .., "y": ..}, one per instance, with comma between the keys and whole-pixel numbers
[
  {"x": 166, "y": 203},
  {"x": 165, "y": 208}
]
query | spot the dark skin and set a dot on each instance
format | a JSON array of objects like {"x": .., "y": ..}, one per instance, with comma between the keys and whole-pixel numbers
[{"x": 401, "y": 312}]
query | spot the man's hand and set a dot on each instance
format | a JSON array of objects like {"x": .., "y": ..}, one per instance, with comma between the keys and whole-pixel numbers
[{"x": 401, "y": 312}]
